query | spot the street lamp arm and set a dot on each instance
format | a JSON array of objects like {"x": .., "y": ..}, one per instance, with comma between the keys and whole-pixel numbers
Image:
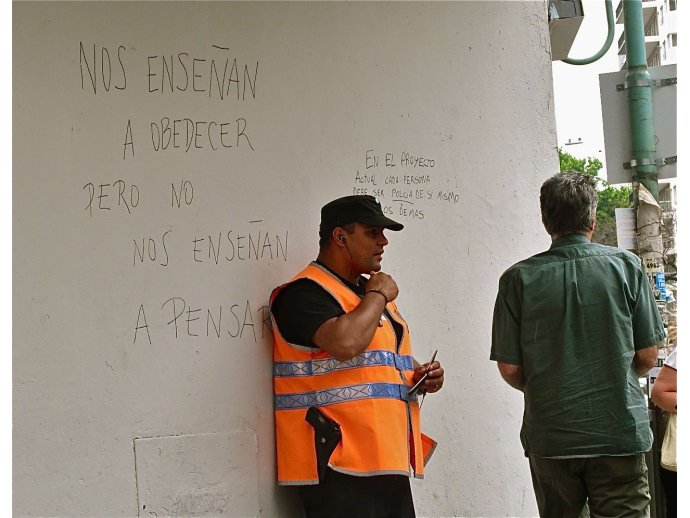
[{"x": 607, "y": 43}]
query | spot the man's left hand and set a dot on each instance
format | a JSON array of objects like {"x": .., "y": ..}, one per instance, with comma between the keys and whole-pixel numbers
[{"x": 434, "y": 380}]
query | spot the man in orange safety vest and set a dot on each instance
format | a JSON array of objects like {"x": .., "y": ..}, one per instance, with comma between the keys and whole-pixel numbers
[{"x": 347, "y": 417}]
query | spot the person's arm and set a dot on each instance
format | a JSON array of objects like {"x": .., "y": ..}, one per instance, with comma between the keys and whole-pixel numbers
[
  {"x": 645, "y": 359},
  {"x": 512, "y": 374},
  {"x": 506, "y": 332},
  {"x": 348, "y": 335},
  {"x": 647, "y": 325},
  {"x": 664, "y": 391}
]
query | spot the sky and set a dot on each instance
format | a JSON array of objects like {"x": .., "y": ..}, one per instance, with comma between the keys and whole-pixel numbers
[{"x": 576, "y": 87}]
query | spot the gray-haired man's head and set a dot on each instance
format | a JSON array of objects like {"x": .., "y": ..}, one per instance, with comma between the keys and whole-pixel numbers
[{"x": 568, "y": 203}]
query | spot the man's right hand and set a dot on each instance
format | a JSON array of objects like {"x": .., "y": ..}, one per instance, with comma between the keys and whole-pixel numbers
[{"x": 384, "y": 283}]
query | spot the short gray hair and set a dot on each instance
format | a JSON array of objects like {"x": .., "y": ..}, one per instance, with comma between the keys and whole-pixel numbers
[{"x": 568, "y": 203}]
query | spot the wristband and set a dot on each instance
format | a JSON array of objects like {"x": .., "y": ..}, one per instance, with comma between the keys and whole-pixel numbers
[{"x": 379, "y": 292}]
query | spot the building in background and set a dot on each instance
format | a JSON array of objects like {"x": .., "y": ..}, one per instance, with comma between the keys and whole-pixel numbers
[{"x": 660, "y": 30}]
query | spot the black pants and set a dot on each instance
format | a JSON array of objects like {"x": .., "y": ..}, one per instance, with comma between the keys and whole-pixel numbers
[
  {"x": 346, "y": 496},
  {"x": 668, "y": 482}
]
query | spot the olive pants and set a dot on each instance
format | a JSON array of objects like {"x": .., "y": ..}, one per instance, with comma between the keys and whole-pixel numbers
[{"x": 612, "y": 487}]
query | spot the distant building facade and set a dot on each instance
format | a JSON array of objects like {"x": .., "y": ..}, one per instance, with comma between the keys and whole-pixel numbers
[{"x": 660, "y": 31}]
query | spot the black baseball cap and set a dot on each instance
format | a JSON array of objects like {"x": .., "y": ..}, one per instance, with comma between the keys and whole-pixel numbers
[{"x": 355, "y": 209}]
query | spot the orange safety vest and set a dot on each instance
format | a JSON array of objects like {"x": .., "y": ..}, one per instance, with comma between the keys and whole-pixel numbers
[{"x": 366, "y": 396}]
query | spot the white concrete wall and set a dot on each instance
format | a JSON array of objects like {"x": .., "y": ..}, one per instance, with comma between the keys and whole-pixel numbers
[{"x": 121, "y": 410}]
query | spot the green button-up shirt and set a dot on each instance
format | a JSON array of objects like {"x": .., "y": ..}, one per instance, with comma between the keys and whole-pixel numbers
[{"x": 572, "y": 317}]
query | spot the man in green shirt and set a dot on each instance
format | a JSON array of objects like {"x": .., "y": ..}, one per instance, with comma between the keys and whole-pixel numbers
[{"x": 574, "y": 328}]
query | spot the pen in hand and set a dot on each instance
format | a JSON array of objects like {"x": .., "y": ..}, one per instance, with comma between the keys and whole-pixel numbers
[
  {"x": 426, "y": 374},
  {"x": 417, "y": 386}
]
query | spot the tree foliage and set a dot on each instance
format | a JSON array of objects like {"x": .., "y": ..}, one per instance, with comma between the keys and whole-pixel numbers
[
  {"x": 589, "y": 165},
  {"x": 609, "y": 198}
]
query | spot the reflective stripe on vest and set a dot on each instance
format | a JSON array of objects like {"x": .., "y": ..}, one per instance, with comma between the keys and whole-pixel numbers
[
  {"x": 325, "y": 365},
  {"x": 343, "y": 394}
]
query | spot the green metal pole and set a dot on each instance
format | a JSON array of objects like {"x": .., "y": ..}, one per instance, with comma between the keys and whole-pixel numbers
[{"x": 639, "y": 86}]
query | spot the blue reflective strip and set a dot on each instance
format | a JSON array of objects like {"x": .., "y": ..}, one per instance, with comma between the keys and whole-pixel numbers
[
  {"x": 342, "y": 394},
  {"x": 324, "y": 366}
]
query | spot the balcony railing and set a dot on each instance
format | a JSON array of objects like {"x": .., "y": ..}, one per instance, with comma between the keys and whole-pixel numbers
[
  {"x": 652, "y": 28},
  {"x": 651, "y": 32},
  {"x": 647, "y": 7},
  {"x": 654, "y": 59}
]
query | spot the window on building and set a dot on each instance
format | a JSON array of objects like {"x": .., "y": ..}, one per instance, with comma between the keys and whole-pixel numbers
[
  {"x": 672, "y": 5},
  {"x": 674, "y": 39},
  {"x": 663, "y": 49}
]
